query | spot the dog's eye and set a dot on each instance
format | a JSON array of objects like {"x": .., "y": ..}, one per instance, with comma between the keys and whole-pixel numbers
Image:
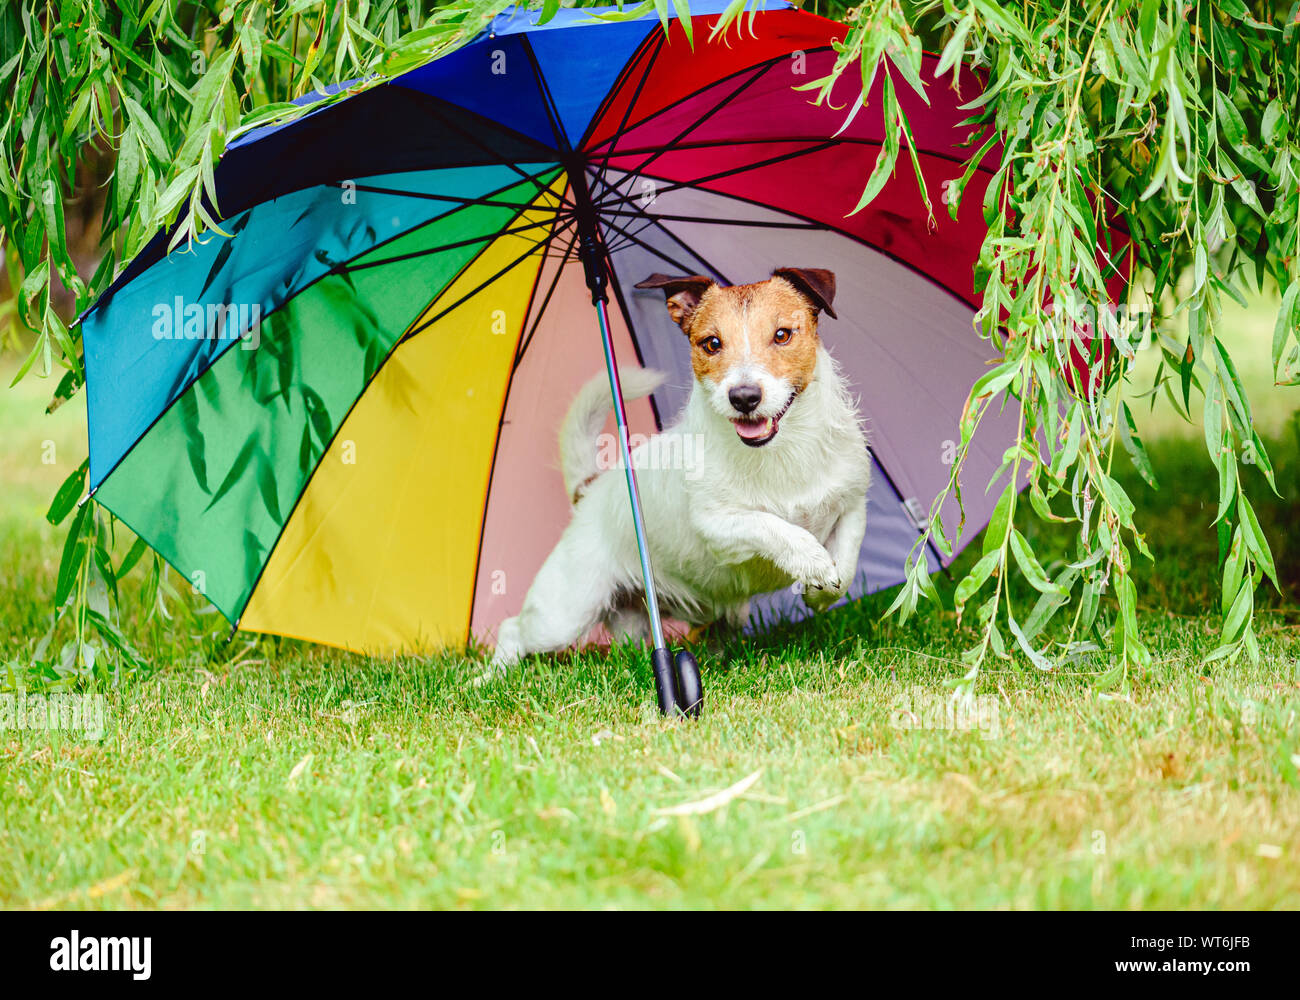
[
  {"x": 783, "y": 335},
  {"x": 710, "y": 345}
]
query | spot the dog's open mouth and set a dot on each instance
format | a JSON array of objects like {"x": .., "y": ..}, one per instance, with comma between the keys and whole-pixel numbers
[{"x": 758, "y": 431}]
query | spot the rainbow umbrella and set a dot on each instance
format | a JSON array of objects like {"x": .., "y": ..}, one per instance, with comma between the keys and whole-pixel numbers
[{"x": 339, "y": 421}]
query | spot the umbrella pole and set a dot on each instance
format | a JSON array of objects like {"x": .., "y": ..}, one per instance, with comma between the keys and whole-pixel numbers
[{"x": 677, "y": 681}]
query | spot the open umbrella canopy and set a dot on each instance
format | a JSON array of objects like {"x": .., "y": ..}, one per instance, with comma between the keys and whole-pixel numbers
[{"x": 339, "y": 422}]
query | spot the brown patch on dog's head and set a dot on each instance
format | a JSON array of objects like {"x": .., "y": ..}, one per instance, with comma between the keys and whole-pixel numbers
[{"x": 753, "y": 346}]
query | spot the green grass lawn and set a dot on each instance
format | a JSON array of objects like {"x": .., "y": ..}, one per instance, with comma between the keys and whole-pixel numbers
[{"x": 283, "y": 775}]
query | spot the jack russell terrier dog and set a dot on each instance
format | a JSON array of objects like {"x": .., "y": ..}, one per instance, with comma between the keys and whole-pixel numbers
[{"x": 777, "y": 491}]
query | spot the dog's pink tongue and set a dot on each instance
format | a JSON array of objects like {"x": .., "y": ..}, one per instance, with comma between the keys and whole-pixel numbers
[{"x": 752, "y": 430}]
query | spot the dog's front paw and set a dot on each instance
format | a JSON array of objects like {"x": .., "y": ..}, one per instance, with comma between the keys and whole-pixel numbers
[
  {"x": 816, "y": 572},
  {"x": 821, "y": 600}
]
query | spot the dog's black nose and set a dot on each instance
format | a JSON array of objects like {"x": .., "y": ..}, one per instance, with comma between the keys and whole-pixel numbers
[{"x": 745, "y": 398}]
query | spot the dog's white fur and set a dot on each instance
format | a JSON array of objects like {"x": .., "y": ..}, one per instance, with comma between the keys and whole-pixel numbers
[{"x": 739, "y": 522}]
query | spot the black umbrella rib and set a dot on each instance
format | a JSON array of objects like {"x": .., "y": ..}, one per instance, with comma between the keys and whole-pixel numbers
[
  {"x": 567, "y": 253},
  {"x": 669, "y": 146},
  {"x": 552, "y": 109},
  {"x": 684, "y": 268},
  {"x": 691, "y": 250},
  {"x": 527, "y": 338},
  {"x": 714, "y": 221},
  {"x": 486, "y": 200},
  {"x": 468, "y": 241},
  {"x": 763, "y": 65},
  {"x": 348, "y": 264},
  {"x": 655, "y": 222},
  {"x": 839, "y": 140},
  {"x": 563, "y": 224},
  {"x": 724, "y": 141},
  {"x": 619, "y": 243},
  {"x": 613, "y": 246},
  {"x": 500, "y": 273},
  {"x": 720, "y": 175},
  {"x": 654, "y": 39},
  {"x": 848, "y": 235},
  {"x": 498, "y": 158},
  {"x": 627, "y": 112}
]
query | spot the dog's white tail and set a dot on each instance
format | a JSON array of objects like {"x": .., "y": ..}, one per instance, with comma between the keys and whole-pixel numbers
[{"x": 579, "y": 447}]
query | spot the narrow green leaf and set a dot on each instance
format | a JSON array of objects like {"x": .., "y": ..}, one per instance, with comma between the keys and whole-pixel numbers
[
  {"x": 1257, "y": 543},
  {"x": 68, "y": 495},
  {"x": 1035, "y": 657},
  {"x": 975, "y": 579},
  {"x": 132, "y": 557},
  {"x": 998, "y": 524},
  {"x": 74, "y": 555},
  {"x": 1238, "y": 615},
  {"x": 888, "y": 154},
  {"x": 1136, "y": 450},
  {"x": 1030, "y": 566}
]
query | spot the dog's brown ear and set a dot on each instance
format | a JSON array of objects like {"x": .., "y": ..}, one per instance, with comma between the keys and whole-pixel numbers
[
  {"x": 683, "y": 294},
  {"x": 816, "y": 283}
]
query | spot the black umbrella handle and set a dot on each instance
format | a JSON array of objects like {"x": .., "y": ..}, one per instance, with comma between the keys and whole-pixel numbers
[
  {"x": 661, "y": 662},
  {"x": 690, "y": 691},
  {"x": 677, "y": 682}
]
